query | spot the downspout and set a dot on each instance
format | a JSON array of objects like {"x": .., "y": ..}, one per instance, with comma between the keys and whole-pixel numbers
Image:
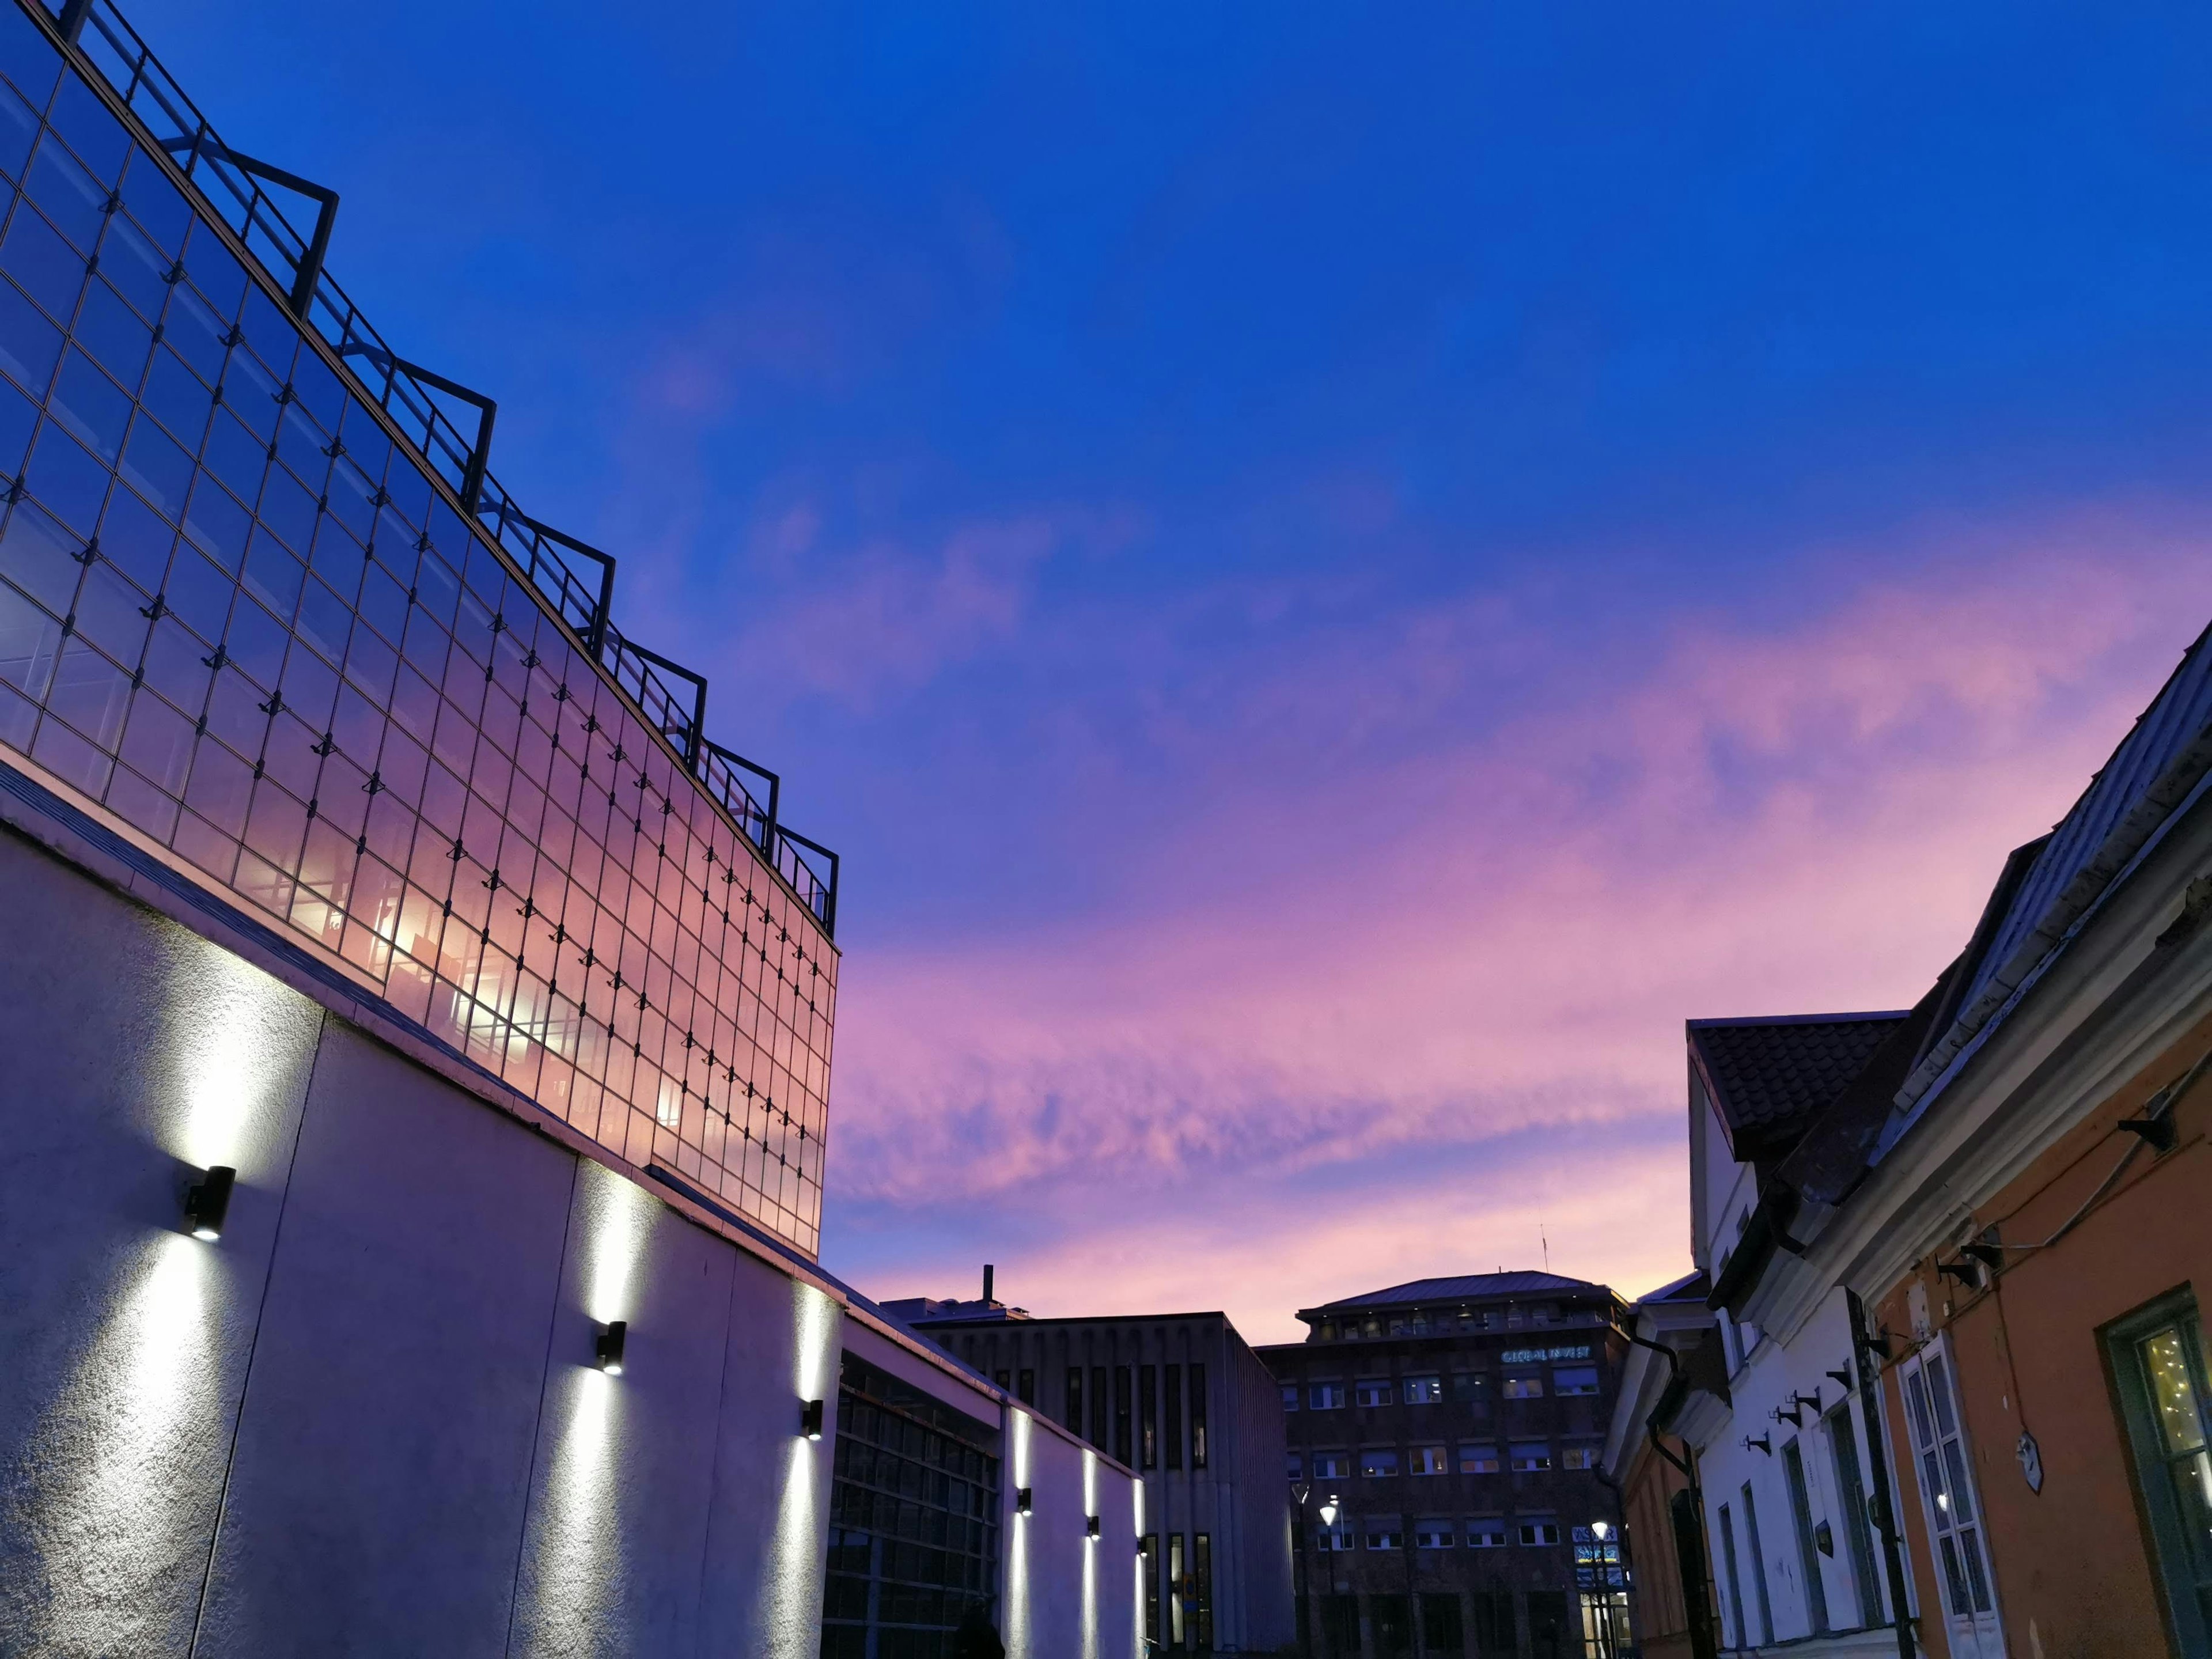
[
  {"x": 1885, "y": 1512},
  {"x": 1697, "y": 1605}
]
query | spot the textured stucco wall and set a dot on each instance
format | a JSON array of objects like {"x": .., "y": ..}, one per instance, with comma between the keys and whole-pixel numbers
[{"x": 365, "y": 1419}]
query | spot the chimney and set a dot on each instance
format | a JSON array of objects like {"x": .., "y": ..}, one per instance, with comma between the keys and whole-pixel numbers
[{"x": 988, "y": 1271}]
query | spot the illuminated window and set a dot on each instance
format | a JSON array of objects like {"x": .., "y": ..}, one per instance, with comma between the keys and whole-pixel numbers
[
  {"x": 1424, "y": 1390},
  {"x": 1478, "y": 1460},
  {"x": 1531, "y": 1456},
  {"x": 1429, "y": 1460},
  {"x": 1524, "y": 1388},
  {"x": 1379, "y": 1462}
]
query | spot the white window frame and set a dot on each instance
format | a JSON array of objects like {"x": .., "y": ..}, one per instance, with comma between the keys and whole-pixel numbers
[
  {"x": 1946, "y": 1459},
  {"x": 1425, "y": 1390},
  {"x": 1372, "y": 1391},
  {"x": 1488, "y": 1533},
  {"x": 1325, "y": 1397},
  {"x": 1389, "y": 1473},
  {"x": 1338, "y": 1466},
  {"x": 1470, "y": 1454},
  {"x": 1437, "y": 1460}
]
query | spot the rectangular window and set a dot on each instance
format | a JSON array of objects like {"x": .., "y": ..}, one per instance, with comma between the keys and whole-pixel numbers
[
  {"x": 1947, "y": 1495},
  {"x": 1758, "y": 1562},
  {"x": 2158, "y": 1358},
  {"x": 1175, "y": 1582},
  {"x": 1442, "y": 1632},
  {"x": 1175, "y": 1416},
  {"x": 1579, "y": 1457},
  {"x": 1122, "y": 1387},
  {"x": 1424, "y": 1390},
  {"x": 1295, "y": 1466},
  {"x": 1488, "y": 1534},
  {"x": 1332, "y": 1465},
  {"x": 1075, "y": 1400},
  {"x": 1539, "y": 1532},
  {"x": 1340, "y": 1623},
  {"x": 1574, "y": 1379},
  {"x": 1383, "y": 1534},
  {"x": 1478, "y": 1458},
  {"x": 1470, "y": 1388},
  {"x": 1809, "y": 1555},
  {"x": 1429, "y": 1460},
  {"x": 1851, "y": 1492},
  {"x": 1025, "y": 1387},
  {"x": 1337, "y": 1537},
  {"x": 1379, "y": 1462},
  {"x": 1739, "y": 1637},
  {"x": 1148, "y": 1417},
  {"x": 1202, "y": 1575},
  {"x": 1198, "y": 1417},
  {"x": 1290, "y": 1396},
  {"x": 1098, "y": 1407},
  {"x": 1433, "y": 1535},
  {"x": 1005, "y": 1380},
  {"x": 1524, "y": 1388},
  {"x": 1326, "y": 1396},
  {"x": 1494, "y": 1629},
  {"x": 1374, "y": 1393},
  {"x": 1151, "y": 1558},
  {"x": 1531, "y": 1456}
]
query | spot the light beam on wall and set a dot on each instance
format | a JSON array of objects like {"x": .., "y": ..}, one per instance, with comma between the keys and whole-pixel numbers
[
  {"x": 1017, "y": 1633},
  {"x": 791, "y": 1598},
  {"x": 1089, "y": 1632}
]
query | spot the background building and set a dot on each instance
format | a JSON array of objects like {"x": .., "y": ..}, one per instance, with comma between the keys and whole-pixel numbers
[
  {"x": 1454, "y": 1425},
  {"x": 1182, "y": 1400},
  {"x": 416, "y": 1038}
]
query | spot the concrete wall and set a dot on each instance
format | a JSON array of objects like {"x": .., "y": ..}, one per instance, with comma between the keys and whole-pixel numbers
[{"x": 368, "y": 1419}]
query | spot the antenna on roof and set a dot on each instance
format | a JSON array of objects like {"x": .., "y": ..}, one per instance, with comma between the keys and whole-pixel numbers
[{"x": 1546, "y": 1243}]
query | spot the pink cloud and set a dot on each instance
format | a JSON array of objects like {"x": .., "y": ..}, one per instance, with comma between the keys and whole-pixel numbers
[{"x": 1474, "y": 948}]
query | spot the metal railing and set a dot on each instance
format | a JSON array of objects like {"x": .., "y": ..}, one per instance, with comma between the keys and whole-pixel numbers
[{"x": 672, "y": 699}]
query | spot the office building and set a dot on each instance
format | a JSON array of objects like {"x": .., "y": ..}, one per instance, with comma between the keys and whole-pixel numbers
[
  {"x": 1443, "y": 1469},
  {"x": 1183, "y": 1401},
  {"x": 417, "y": 1028}
]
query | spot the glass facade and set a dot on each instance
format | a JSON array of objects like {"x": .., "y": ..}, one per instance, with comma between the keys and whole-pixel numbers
[
  {"x": 242, "y": 611},
  {"x": 913, "y": 1528}
]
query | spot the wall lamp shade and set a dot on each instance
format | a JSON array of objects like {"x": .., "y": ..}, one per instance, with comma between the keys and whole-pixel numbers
[
  {"x": 1329, "y": 1511},
  {"x": 613, "y": 1339},
  {"x": 1021, "y": 1500},
  {"x": 207, "y": 1202},
  {"x": 1090, "y": 1528},
  {"x": 810, "y": 1419}
]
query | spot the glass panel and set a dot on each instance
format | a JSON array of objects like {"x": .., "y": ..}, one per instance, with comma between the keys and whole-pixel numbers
[
  {"x": 550, "y": 894},
  {"x": 2174, "y": 1392}
]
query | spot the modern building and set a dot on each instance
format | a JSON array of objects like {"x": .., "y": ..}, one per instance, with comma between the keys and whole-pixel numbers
[
  {"x": 1183, "y": 1401},
  {"x": 1444, "y": 1437},
  {"x": 415, "y": 1032}
]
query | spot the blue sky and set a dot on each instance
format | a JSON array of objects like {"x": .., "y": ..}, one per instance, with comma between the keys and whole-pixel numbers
[{"x": 1334, "y": 572}]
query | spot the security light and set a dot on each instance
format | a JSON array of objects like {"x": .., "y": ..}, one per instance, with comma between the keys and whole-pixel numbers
[
  {"x": 207, "y": 1201},
  {"x": 612, "y": 1338},
  {"x": 1021, "y": 1500},
  {"x": 1601, "y": 1530},
  {"x": 1329, "y": 1511},
  {"x": 1090, "y": 1528},
  {"x": 810, "y": 1419}
]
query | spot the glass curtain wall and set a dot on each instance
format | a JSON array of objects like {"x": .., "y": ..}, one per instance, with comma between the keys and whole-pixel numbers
[{"x": 238, "y": 617}]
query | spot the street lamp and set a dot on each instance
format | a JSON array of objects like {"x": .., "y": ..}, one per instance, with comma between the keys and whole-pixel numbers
[{"x": 1328, "y": 1511}]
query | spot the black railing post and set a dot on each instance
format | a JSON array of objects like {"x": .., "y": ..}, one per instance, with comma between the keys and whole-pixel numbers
[
  {"x": 472, "y": 476},
  {"x": 595, "y": 636},
  {"x": 73, "y": 13},
  {"x": 310, "y": 267}
]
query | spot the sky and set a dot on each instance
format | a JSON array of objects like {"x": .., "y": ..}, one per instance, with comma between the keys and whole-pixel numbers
[{"x": 1332, "y": 572}]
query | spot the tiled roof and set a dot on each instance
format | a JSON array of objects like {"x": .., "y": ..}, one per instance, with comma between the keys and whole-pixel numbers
[
  {"x": 1769, "y": 1077},
  {"x": 1467, "y": 1288}
]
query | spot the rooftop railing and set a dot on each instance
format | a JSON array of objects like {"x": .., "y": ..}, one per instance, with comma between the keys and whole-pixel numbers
[{"x": 575, "y": 582}]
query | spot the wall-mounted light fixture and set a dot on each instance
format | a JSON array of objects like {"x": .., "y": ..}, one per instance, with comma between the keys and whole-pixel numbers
[
  {"x": 1328, "y": 1511},
  {"x": 1601, "y": 1530},
  {"x": 613, "y": 1338},
  {"x": 1021, "y": 1500},
  {"x": 207, "y": 1201},
  {"x": 810, "y": 1419},
  {"x": 1090, "y": 1528}
]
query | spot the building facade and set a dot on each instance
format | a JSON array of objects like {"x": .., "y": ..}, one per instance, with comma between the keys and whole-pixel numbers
[
  {"x": 1443, "y": 1469},
  {"x": 1676, "y": 1352},
  {"x": 416, "y": 1034},
  {"x": 1988, "y": 1241},
  {"x": 1183, "y": 1401}
]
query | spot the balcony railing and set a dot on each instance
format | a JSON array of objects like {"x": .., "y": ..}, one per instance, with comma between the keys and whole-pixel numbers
[{"x": 575, "y": 582}]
